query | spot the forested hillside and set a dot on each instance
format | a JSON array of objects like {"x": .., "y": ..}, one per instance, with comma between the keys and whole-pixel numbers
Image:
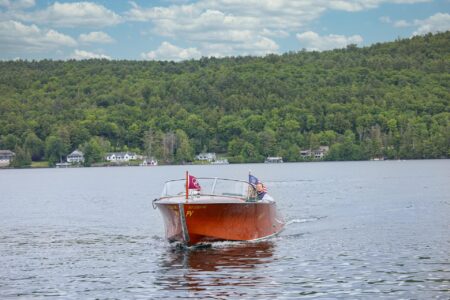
[{"x": 390, "y": 99}]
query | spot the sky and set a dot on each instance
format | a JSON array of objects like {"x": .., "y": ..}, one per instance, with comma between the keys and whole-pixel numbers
[{"x": 179, "y": 30}]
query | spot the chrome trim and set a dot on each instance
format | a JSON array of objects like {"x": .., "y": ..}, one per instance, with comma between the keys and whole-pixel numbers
[
  {"x": 214, "y": 185},
  {"x": 163, "y": 195},
  {"x": 183, "y": 223}
]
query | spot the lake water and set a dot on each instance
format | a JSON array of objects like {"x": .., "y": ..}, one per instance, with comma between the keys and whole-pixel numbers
[{"x": 355, "y": 230}]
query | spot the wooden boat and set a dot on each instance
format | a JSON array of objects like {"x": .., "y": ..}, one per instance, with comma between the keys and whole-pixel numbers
[{"x": 224, "y": 210}]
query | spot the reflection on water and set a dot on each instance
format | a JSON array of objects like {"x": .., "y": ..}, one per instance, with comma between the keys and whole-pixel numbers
[
  {"x": 220, "y": 255},
  {"x": 216, "y": 268}
]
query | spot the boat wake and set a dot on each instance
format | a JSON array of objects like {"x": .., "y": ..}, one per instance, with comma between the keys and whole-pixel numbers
[
  {"x": 305, "y": 220},
  {"x": 179, "y": 246}
]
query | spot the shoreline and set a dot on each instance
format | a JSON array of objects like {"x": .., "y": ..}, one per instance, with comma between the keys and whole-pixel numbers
[{"x": 203, "y": 164}]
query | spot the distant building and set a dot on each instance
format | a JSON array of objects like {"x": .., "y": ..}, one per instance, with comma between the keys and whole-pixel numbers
[
  {"x": 321, "y": 152},
  {"x": 121, "y": 156},
  {"x": 206, "y": 157},
  {"x": 377, "y": 158},
  {"x": 221, "y": 161},
  {"x": 274, "y": 159},
  {"x": 75, "y": 157},
  {"x": 149, "y": 162},
  {"x": 316, "y": 153},
  {"x": 305, "y": 153},
  {"x": 6, "y": 156}
]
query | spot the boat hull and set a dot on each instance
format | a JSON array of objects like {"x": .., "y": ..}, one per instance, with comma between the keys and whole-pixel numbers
[{"x": 193, "y": 223}]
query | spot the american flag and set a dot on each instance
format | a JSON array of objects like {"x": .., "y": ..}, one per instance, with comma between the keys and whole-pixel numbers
[{"x": 252, "y": 179}]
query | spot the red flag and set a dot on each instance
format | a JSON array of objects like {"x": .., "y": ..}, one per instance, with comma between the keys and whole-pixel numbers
[{"x": 193, "y": 183}]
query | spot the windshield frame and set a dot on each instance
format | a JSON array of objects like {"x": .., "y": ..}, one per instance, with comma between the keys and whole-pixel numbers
[{"x": 249, "y": 195}]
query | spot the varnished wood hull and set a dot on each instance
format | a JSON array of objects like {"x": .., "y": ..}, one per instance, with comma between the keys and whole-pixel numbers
[{"x": 193, "y": 223}]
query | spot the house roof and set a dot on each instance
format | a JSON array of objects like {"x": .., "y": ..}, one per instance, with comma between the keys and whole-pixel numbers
[
  {"x": 121, "y": 153},
  {"x": 6, "y": 152},
  {"x": 76, "y": 153}
]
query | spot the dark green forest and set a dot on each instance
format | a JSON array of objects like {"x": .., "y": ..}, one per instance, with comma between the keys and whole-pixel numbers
[{"x": 387, "y": 100}]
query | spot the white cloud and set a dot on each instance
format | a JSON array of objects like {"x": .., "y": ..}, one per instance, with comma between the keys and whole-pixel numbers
[
  {"x": 17, "y": 4},
  {"x": 17, "y": 37},
  {"x": 312, "y": 41},
  {"x": 385, "y": 19},
  {"x": 73, "y": 15},
  {"x": 211, "y": 26},
  {"x": 407, "y": 1},
  {"x": 254, "y": 46},
  {"x": 167, "y": 51},
  {"x": 439, "y": 22},
  {"x": 95, "y": 37},
  {"x": 359, "y": 5},
  {"x": 81, "y": 54},
  {"x": 401, "y": 24},
  {"x": 215, "y": 27},
  {"x": 249, "y": 14},
  {"x": 226, "y": 27}
]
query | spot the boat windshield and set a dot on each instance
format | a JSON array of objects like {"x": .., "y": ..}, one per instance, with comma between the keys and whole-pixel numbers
[{"x": 211, "y": 186}]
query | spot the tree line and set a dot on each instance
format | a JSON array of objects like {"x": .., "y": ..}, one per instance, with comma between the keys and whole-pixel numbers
[{"x": 387, "y": 100}]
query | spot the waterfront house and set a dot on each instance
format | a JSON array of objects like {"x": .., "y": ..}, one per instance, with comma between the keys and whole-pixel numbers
[
  {"x": 209, "y": 157},
  {"x": 305, "y": 153},
  {"x": 321, "y": 152},
  {"x": 149, "y": 162},
  {"x": 120, "y": 156},
  {"x": 6, "y": 156},
  {"x": 75, "y": 157},
  {"x": 316, "y": 153}
]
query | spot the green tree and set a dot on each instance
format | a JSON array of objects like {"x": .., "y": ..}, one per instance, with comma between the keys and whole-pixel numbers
[
  {"x": 34, "y": 146},
  {"x": 55, "y": 149},
  {"x": 149, "y": 141},
  {"x": 235, "y": 146},
  {"x": 249, "y": 153},
  {"x": 21, "y": 159},
  {"x": 9, "y": 142},
  {"x": 184, "y": 150},
  {"x": 95, "y": 150}
]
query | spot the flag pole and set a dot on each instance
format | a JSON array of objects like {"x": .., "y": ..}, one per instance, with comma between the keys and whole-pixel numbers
[{"x": 187, "y": 185}]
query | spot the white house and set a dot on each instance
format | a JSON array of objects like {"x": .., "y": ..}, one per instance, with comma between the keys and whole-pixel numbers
[
  {"x": 206, "y": 157},
  {"x": 75, "y": 157},
  {"x": 321, "y": 152},
  {"x": 149, "y": 162},
  {"x": 305, "y": 153},
  {"x": 6, "y": 157},
  {"x": 316, "y": 153},
  {"x": 120, "y": 156}
]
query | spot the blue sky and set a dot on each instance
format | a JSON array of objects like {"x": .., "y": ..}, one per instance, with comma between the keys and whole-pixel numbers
[{"x": 182, "y": 29}]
